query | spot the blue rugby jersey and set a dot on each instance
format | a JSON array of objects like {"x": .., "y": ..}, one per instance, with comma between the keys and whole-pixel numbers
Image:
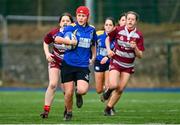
[
  {"x": 101, "y": 50},
  {"x": 86, "y": 37}
]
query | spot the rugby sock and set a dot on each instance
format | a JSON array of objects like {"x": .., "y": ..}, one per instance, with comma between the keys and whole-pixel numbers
[
  {"x": 46, "y": 108},
  {"x": 109, "y": 91}
]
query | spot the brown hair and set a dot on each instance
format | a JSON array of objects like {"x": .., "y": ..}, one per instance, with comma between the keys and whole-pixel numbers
[
  {"x": 66, "y": 14},
  {"x": 122, "y": 14},
  {"x": 134, "y": 13},
  {"x": 110, "y": 18}
]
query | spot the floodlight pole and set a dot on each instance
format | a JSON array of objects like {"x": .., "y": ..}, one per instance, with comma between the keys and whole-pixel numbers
[
  {"x": 39, "y": 13},
  {"x": 90, "y": 5}
]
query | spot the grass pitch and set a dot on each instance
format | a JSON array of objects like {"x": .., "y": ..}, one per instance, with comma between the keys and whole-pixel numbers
[{"x": 24, "y": 107}]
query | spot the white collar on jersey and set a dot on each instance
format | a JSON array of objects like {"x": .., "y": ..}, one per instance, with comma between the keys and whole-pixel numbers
[{"x": 129, "y": 34}]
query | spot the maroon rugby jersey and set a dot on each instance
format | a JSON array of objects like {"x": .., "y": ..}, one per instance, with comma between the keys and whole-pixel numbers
[
  {"x": 124, "y": 54},
  {"x": 58, "y": 49}
]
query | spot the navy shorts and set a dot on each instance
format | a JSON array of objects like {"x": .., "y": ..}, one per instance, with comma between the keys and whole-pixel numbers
[
  {"x": 73, "y": 73},
  {"x": 98, "y": 67}
]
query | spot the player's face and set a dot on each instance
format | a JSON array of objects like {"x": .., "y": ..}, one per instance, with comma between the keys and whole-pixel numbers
[
  {"x": 122, "y": 21},
  {"x": 131, "y": 21},
  {"x": 108, "y": 26},
  {"x": 81, "y": 19},
  {"x": 65, "y": 20}
]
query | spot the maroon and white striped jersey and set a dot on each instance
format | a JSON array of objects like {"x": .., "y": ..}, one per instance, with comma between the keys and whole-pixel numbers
[
  {"x": 58, "y": 49},
  {"x": 124, "y": 54}
]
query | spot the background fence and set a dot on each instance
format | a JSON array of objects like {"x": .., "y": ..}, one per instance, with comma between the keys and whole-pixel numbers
[
  {"x": 26, "y": 63},
  {"x": 151, "y": 11}
]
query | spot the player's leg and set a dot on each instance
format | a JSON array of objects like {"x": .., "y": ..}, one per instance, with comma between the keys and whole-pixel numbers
[
  {"x": 99, "y": 81},
  {"x": 114, "y": 77},
  {"x": 67, "y": 77},
  {"x": 99, "y": 76},
  {"x": 82, "y": 77},
  {"x": 50, "y": 92},
  {"x": 82, "y": 88},
  {"x": 53, "y": 81},
  {"x": 68, "y": 99},
  {"x": 113, "y": 83},
  {"x": 106, "y": 79},
  {"x": 116, "y": 94},
  {"x": 107, "y": 86}
]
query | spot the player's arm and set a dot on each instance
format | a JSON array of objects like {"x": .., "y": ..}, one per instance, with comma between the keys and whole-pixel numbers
[
  {"x": 93, "y": 49},
  {"x": 47, "y": 52},
  {"x": 48, "y": 39},
  {"x": 61, "y": 40},
  {"x": 138, "y": 52},
  {"x": 104, "y": 60},
  {"x": 107, "y": 42},
  {"x": 138, "y": 46}
]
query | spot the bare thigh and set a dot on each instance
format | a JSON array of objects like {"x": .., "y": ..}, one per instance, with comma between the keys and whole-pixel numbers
[
  {"x": 54, "y": 74},
  {"x": 124, "y": 78},
  {"x": 114, "y": 78}
]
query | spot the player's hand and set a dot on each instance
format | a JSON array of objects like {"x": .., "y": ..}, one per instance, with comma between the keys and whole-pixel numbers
[
  {"x": 91, "y": 61},
  {"x": 110, "y": 53},
  {"x": 104, "y": 60},
  {"x": 49, "y": 57},
  {"x": 133, "y": 44}
]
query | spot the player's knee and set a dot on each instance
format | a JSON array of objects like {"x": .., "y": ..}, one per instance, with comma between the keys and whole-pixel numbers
[
  {"x": 68, "y": 94},
  {"x": 52, "y": 86},
  {"x": 82, "y": 91}
]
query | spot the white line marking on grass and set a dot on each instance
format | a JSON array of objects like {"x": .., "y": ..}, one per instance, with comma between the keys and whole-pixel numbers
[
  {"x": 130, "y": 111},
  {"x": 152, "y": 101}
]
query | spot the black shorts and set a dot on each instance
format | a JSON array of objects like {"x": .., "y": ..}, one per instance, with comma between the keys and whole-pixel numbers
[
  {"x": 73, "y": 73},
  {"x": 98, "y": 67}
]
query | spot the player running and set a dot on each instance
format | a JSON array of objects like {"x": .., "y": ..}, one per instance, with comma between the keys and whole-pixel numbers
[
  {"x": 75, "y": 66},
  {"x": 101, "y": 65},
  {"x": 54, "y": 61},
  {"x": 121, "y": 22},
  {"x": 128, "y": 45}
]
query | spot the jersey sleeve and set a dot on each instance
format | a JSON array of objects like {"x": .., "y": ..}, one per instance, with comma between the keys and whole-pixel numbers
[
  {"x": 49, "y": 37},
  {"x": 112, "y": 34},
  {"x": 140, "y": 43},
  {"x": 69, "y": 28},
  {"x": 61, "y": 34}
]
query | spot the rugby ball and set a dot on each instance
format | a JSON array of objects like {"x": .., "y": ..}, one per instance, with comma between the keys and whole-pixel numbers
[{"x": 71, "y": 36}]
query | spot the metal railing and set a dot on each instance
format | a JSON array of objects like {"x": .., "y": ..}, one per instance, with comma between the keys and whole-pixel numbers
[{"x": 39, "y": 19}]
